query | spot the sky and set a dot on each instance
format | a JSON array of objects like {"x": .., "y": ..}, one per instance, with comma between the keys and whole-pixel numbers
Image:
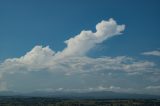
[{"x": 80, "y": 45}]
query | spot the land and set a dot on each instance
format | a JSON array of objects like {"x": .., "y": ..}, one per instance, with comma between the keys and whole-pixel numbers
[
  {"x": 104, "y": 98},
  {"x": 50, "y": 101}
]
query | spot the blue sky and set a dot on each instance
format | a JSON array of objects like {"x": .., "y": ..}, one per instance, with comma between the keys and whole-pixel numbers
[{"x": 25, "y": 24}]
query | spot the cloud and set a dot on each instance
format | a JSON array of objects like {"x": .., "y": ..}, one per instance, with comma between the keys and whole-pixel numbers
[
  {"x": 85, "y": 64},
  {"x": 72, "y": 61},
  {"x": 82, "y": 43},
  {"x": 43, "y": 57},
  {"x": 153, "y": 87},
  {"x": 71, "y": 65},
  {"x": 110, "y": 88},
  {"x": 152, "y": 53},
  {"x": 73, "y": 57},
  {"x": 37, "y": 58},
  {"x": 92, "y": 89}
]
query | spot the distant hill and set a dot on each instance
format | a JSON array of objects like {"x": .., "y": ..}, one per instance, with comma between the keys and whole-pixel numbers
[{"x": 82, "y": 95}]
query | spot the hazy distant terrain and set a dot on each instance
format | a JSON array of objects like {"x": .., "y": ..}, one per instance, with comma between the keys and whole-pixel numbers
[
  {"x": 66, "y": 98},
  {"x": 59, "y": 98},
  {"x": 80, "y": 95},
  {"x": 41, "y": 101}
]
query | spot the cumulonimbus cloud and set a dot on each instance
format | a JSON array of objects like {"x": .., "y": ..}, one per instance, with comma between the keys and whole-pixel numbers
[
  {"x": 73, "y": 56},
  {"x": 43, "y": 57},
  {"x": 73, "y": 59}
]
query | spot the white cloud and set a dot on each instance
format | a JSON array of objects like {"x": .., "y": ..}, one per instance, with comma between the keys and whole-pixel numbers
[
  {"x": 110, "y": 88},
  {"x": 80, "y": 64},
  {"x": 90, "y": 89},
  {"x": 148, "y": 90},
  {"x": 37, "y": 58},
  {"x": 153, "y": 87},
  {"x": 82, "y": 43},
  {"x": 120, "y": 63},
  {"x": 93, "y": 89},
  {"x": 43, "y": 57},
  {"x": 152, "y": 53},
  {"x": 73, "y": 59}
]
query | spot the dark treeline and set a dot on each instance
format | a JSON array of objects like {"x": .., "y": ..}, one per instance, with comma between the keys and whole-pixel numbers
[{"x": 41, "y": 101}]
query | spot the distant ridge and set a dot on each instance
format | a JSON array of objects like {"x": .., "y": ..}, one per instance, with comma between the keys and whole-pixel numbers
[{"x": 82, "y": 95}]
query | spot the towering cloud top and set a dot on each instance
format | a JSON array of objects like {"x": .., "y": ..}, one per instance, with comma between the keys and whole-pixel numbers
[
  {"x": 43, "y": 57},
  {"x": 86, "y": 40},
  {"x": 72, "y": 67}
]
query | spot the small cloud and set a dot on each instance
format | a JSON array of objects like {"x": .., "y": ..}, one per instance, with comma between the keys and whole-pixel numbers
[
  {"x": 60, "y": 89},
  {"x": 152, "y": 53},
  {"x": 153, "y": 87},
  {"x": 112, "y": 88}
]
